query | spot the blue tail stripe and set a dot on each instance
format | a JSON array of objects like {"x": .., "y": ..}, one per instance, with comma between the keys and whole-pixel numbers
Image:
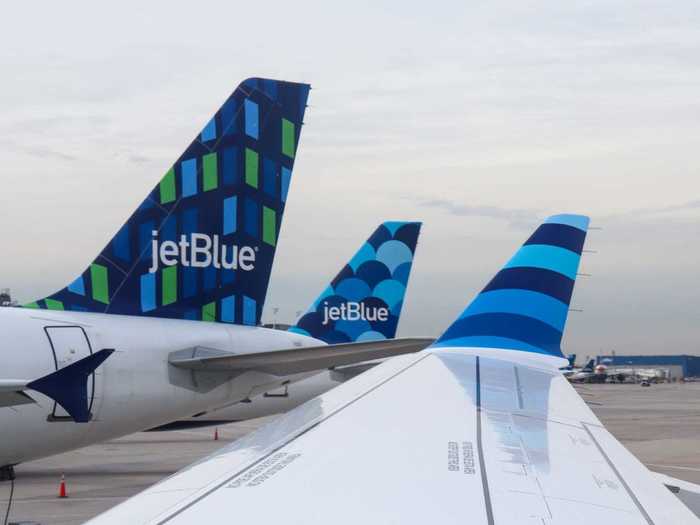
[
  {"x": 560, "y": 235},
  {"x": 511, "y": 326},
  {"x": 525, "y": 306},
  {"x": 577, "y": 221},
  {"x": 489, "y": 341},
  {"x": 547, "y": 282},
  {"x": 547, "y": 257},
  {"x": 523, "y": 302}
]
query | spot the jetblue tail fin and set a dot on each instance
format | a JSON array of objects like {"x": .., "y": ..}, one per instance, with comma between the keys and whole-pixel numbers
[
  {"x": 526, "y": 304},
  {"x": 363, "y": 302},
  {"x": 201, "y": 245},
  {"x": 589, "y": 366},
  {"x": 571, "y": 358}
]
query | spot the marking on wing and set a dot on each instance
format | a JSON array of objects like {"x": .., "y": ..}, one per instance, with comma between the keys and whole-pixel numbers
[
  {"x": 619, "y": 477},
  {"x": 480, "y": 445},
  {"x": 276, "y": 449}
]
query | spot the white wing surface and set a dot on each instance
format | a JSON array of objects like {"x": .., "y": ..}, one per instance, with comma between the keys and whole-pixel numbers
[
  {"x": 480, "y": 428},
  {"x": 444, "y": 436}
]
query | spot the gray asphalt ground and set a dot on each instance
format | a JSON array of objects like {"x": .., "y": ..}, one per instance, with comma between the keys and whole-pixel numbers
[{"x": 660, "y": 424}]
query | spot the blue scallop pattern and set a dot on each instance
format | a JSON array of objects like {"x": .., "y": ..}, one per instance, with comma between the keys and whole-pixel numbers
[
  {"x": 365, "y": 254},
  {"x": 393, "y": 254},
  {"x": 364, "y": 301},
  {"x": 353, "y": 289},
  {"x": 390, "y": 291}
]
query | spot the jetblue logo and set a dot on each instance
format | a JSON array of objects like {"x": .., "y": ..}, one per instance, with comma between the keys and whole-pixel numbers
[
  {"x": 200, "y": 251},
  {"x": 352, "y": 311}
]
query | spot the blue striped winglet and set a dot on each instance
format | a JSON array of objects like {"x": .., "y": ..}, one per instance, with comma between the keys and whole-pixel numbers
[{"x": 525, "y": 306}]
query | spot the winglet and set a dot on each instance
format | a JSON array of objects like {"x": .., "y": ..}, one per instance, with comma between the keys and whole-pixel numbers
[
  {"x": 526, "y": 304},
  {"x": 68, "y": 386}
]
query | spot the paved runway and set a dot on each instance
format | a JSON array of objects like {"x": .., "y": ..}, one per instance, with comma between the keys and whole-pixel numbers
[{"x": 660, "y": 424}]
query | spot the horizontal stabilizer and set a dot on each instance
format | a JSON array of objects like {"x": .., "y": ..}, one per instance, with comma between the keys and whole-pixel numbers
[
  {"x": 68, "y": 386},
  {"x": 11, "y": 398},
  {"x": 296, "y": 360}
]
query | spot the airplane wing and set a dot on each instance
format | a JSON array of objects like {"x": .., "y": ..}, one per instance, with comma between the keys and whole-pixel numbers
[
  {"x": 67, "y": 386},
  {"x": 443, "y": 436},
  {"x": 296, "y": 360},
  {"x": 480, "y": 428}
]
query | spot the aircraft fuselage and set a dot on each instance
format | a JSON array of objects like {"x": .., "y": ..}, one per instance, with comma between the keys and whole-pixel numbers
[{"x": 135, "y": 389}]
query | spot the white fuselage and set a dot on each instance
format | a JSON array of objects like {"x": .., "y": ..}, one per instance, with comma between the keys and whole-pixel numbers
[{"x": 135, "y": 389}]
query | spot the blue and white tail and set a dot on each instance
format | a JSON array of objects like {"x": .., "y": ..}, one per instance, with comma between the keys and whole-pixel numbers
[
  {"x": 364, "y": 301},
  {"x": 201, "y": 245},
  {"x": 526, "y": 304}
]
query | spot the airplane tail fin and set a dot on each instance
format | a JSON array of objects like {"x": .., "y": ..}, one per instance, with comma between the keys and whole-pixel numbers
[
  {"x": 526, "y": 304},
  {"x": 364, "y": 301},
  {"x": 201, "y": 244}
]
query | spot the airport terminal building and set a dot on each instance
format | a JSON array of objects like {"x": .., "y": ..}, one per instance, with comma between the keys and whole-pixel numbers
[{"x": 678, "y": 365}]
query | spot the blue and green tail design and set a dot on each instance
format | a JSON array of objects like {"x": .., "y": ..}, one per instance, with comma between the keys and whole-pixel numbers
[
  {"x": 526, "y": 304},
  {"x": 201, "y": 244},
  {"x": 364, "y": 301}
]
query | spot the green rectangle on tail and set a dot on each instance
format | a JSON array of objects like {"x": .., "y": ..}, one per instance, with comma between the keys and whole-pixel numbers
[
  {"x": 269, "y": 226},
  {"x": 288, "y": 138},
  {"x": 51, "y": 304},
  {"x": 251, "y": 167},
  {"x": 167, "y": 187},
  {"x": 100, "y": 286},
  {"x": 169, "y": 279},
  {"x": 210, "y": 177},
  {"x": 209, "y": 312}
]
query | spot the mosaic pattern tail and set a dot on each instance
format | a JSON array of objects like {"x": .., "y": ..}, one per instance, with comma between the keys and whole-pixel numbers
[
  {"x": 526, "y": 304},
  {"x": 202, "y": 243},
  {"x": 364, "y": 301}
]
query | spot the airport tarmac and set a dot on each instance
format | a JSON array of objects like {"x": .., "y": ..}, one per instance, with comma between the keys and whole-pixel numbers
[{"x": 660, "y": 424}]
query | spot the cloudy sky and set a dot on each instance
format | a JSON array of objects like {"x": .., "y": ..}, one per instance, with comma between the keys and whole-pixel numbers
[{"x": 478, "y": 118}]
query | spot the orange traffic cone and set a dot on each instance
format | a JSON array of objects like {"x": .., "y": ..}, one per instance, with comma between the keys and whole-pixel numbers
[
  {"x": 62, "y": 488},
  {"x": 216, "y": 434}
]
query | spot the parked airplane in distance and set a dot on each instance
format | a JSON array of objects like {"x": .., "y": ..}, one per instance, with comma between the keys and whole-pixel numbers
[
  {"x": 479, "y": 428},
  {"x": 127, "y": 345},
  {"x": 362, "y": 303}
]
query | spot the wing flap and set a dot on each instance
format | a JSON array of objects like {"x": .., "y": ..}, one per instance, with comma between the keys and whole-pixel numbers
[{"x": 296, "y": 360}]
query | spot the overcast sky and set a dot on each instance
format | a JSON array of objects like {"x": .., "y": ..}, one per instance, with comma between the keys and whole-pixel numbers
[{"x": 478, "y": 118}]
